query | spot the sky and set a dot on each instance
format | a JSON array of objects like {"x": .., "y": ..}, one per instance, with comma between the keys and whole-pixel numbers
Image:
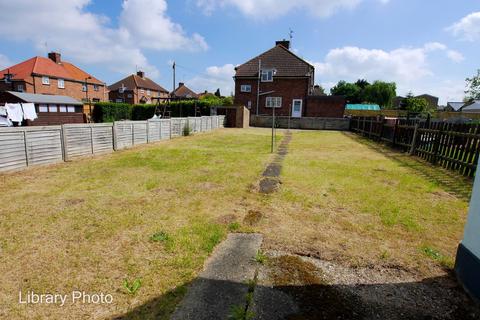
[{"x": 425, "y": 46}]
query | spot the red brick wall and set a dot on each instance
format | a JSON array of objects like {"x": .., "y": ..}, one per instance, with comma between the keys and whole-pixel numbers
[
  {"x": 288, "y": 89},
  {"x": 72, "y": 89},
  {"x": 325, "y": 107}
]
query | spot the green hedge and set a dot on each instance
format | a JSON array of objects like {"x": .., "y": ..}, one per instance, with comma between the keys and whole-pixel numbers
[{"x": 111, "y": 111}]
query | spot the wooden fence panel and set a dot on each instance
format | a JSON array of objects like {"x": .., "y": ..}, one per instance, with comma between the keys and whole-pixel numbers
[
  {"x": 77, "y": 141},
  {"x": 123, "y": 132},
  {"x": 154, "y": 130},
  {"x": 165, "y": 130},
  {"x": 452, "y": 146},
  {"x": 175, "y": 127},
  {"x": 44, "y": 146},
  {"x": 140, "y": 135},
  {"x": 102, "y": 138},
  {"x": 12, "y": 153}
]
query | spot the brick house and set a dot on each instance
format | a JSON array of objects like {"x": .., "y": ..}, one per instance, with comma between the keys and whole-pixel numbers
[
  {"x": 279, "y": 78},
  {"x": 52, "y": 76},
  {"x": 137, "y": 89},
  {"x": 184, "y": 92}
]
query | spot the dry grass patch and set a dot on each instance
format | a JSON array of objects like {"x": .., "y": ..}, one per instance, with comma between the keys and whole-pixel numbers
[
  {"x": 149, "y": 214},
  {"x": 347, "y": 199}
]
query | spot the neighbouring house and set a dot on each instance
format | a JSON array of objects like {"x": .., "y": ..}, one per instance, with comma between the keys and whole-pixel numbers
[
  {"x": 362, "y": 106},
  {"x": 50, "y": 109},
  {"x": 453, "y": 106},
  {"x": 280, "y": 79},
  {"x": 431, "y": 100},
  {"x": 52, "y": 76},
  {"x": 137, "y": 89},
  {"x": 183, "y": 92},
  {"x": 473, "y": 107}
]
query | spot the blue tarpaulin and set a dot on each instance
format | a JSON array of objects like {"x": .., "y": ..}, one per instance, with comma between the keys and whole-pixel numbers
[{"x": 362, "y": 106}]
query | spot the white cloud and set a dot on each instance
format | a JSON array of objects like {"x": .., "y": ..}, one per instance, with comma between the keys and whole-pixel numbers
[
  {"x": 213, "y": 78},
  {"x": 455, "y": 56},
  {"x": 275, "y": 8},
  {"x": 408, "y": 67},
  {"x": 5, "y": 62},
  {"x": 84, "y": 37},
  {"x": 468, "y": 28},
  {"x": 148, "y": 25}
]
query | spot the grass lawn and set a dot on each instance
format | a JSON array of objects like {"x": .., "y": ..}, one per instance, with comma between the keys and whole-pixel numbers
[
  {"x": 348, "y": 199},
  {"x": 153, "y": 214}
]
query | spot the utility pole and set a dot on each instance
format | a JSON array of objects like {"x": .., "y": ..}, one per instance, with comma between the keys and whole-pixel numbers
[
  {"x": 273, "y": 128},
  {"x": 173, "y": 78}
]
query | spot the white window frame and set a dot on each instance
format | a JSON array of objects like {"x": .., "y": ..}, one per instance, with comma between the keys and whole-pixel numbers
[
  {"x": 273, "y": 102},
  {"x": 61, "y": 83},
  {"x": 42, "y": 108},
  {"x": 71, "y": 109},
  {"x": 148, "y": 92},
  {"x": 84, "y": 87},
  {"x": 142, "y": 91},
  {"x": 62, "y": 108},
  {"x": 267, "y": 75},
  {"x": 96, "y": 87},
  {"x": 20, "y": 88},
  {"x": 246, "y": 88},
  {"x": 52, "y": 108},
  {"x": 45, "y": 80}
]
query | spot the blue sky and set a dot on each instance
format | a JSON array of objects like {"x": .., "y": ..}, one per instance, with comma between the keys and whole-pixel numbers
[{"x": 427, "y": 46}]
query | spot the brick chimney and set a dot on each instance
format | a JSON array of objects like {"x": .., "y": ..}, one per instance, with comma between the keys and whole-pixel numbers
[
  {"x": 55, "y": 57},
  {"x": 284, "y": 43},
  {"x": 181, "y": 84},
  {"x": 141, "y": 74}
]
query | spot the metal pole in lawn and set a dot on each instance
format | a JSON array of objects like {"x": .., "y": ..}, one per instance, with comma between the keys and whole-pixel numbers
[{"x": 273, "y": 128}]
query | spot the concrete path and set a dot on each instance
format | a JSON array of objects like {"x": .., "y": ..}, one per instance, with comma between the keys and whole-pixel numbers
[{"x": 223, "y": 283}]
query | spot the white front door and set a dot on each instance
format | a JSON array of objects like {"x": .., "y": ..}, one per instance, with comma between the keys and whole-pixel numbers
[{"x": 297, "y": 108}]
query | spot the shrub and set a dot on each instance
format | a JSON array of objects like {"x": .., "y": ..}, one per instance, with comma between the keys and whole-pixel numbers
[
  {"x": 187, "y": 131},
  {"x": 109, "y": 112}
]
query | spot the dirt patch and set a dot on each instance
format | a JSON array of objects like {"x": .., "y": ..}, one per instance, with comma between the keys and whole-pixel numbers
[
  {"x": 226, "y": 219},
  {"x": 269, "y": 185},
  {"x": 74, "y": 202},
  {"x": 327, "y": 290},
  {"x": 252, "y": 217},
  {"x": 209, "y": 186}
]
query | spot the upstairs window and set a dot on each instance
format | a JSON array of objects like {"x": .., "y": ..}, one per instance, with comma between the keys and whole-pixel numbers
[
  {"x": 267, "y": 75},
  {"x": 8, "y": 78},
  {"x": 20, "y": 88},
  {"x": 96, "y": 87},
  {"x": 273, "y": 102},
  {"x": 148, "y": 92},
  {"x": 142, "y": 91},
  {"x": 45, "y": 80},
  {"x": 84, "y": 87},
  {"x": 61, "y": 83},
  {"x": 245, "y": 88}
]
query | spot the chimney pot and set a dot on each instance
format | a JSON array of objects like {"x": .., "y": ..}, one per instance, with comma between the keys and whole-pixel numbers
[
  {"x": 284, "y": 43},
  {"x": 141, "y": 74},
  {"x": 181, "y": 84},
  {"x": 55, "y": 57}
]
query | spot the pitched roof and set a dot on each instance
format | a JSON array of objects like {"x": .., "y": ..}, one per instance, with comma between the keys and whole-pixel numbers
[
  {"x": 474, "y": 106},
  {"x": 135, "y": 81},
  {"x": 46, "y": 67},
  {"x": 184, "y": 92},
  {"x": 455, "y": 105},
  {"x": 285, "y": 62},
  {"x": 44, "y": 98}
]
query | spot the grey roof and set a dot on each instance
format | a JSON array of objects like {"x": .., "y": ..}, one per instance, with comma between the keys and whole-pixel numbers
[
  {"x": 456, "y": 105},
  {"x": 473, "y": 106},
  {"x": 45, "y": 98}
]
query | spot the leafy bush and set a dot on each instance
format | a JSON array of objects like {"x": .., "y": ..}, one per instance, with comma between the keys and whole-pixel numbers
[{"x": 109, "y": 112}]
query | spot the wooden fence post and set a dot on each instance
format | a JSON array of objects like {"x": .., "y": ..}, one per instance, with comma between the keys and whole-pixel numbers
[
  {"x": 65, "y": 146},
  {"x": 26, "y": 147},
  {"x": 114, "y": 136},
  {"x": 414, "y": 140},
  {"x": 395, "y": 132},
  {"x": 437, "y": 144},
  {"x": 91, "y": 138}
]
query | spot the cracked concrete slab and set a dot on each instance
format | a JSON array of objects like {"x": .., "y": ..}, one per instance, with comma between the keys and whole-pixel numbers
[{"x": 223, "y": 282}]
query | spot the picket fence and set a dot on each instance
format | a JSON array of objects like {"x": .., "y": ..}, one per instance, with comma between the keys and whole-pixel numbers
[{"x": 22, "y": 147}]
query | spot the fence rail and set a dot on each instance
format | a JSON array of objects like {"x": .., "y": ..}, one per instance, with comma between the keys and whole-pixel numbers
[
  {"x": 453, "y": 146},
  {"x": 22, "y": 147}
]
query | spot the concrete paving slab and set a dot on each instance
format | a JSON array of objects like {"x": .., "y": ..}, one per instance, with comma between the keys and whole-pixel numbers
[{"x": 223, "y": 282}]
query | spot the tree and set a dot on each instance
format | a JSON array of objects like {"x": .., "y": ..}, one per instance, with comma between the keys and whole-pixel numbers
[
  {"x": 413, "y": 104},
  {"x": 381, "y": 93},
  {"x": 473, "y": 87},
  {"x": 349, "y": 90}
]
